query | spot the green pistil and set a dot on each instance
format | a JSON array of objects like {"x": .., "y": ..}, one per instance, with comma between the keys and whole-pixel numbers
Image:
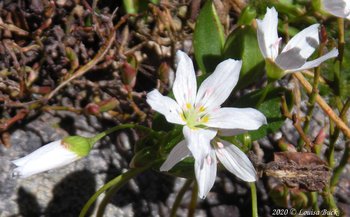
[{"x": 195, "y": 117}]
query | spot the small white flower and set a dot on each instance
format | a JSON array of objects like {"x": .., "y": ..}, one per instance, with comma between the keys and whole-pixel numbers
[
  {"x": 203, "y": 118},
  {"x": 53, "y": 155},
  {"x": 294, "y": 55},
  {"x": 338, "y": 8}
]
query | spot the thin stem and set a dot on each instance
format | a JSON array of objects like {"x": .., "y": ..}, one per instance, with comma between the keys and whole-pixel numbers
[
  {"x": 116, "y": 187},
  {"x": 193, "y": 203},
  {"x": 337, "y": 81},
  {"x": 341, "y": 39},
  {"x": 325, "y": 107},
  {"x": 118, "y": 181},
  {"x": 335, "y": 134},
  {"x": 284, "y": 108},
  {"x": 264, "y": 94},
  {"x": 303, "y": 136},
  {"x": 312, "y": 96},
  {"x": 179, "y": 197},
  {"x": 329, "y": 199},
  {"x": 312, "y": 100},
  {"x": 339, "y": 169},
  {"x": 254, "y": 200},
  {"x": 314, "y": 196},
  {"x": 99, "y": 136},
  {"x": 97, "y": 58}
]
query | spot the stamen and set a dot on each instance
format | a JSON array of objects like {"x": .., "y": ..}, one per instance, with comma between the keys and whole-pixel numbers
[
  {"x": 201, "y": 109},
  {"x": 205, "y": 119}
]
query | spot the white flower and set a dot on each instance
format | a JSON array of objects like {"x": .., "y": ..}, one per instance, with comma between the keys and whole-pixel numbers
[
  {"x": 53, "y": 155},
  {"x": 338, "y": 8},
  {"x": 202, "y": 117},
  {"x": 294, "y": 55}
]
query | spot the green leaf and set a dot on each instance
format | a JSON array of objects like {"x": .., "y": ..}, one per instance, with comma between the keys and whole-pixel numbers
[
  {"x": 208, "y": 39},
  {"x": 242, "y": 44},
  {"x": 247, "y": 16},
  {"x": 270, "y": 107},
  {"x": 184, "y": 169}
]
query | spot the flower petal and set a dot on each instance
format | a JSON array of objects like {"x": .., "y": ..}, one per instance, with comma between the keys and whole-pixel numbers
[
  {"x": 166, "y": 106},
  {"x": 305, "y": 41},
  {"x": 185, "y": 84},
  {"x": 179, "y": 152},
  {"x": 198, "y": 141},
  {"x": 290, "y": 59},
  {"x": 236, "y": 118},
  {"x": 206, "y": 174},
  {"x": 218, "y": 86},
  {"x": 338, "y": 8},
  {"x": 235, "y": 161},
  {"x": 314, "y": 63},
  {"x": 267, "y": 34},
  {"x": 36, "y": 154},
  {"x": 50, "y": 156}
]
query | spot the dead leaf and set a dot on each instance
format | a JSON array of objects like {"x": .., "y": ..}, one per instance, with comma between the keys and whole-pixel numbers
[{"x": 305, "y": 171}]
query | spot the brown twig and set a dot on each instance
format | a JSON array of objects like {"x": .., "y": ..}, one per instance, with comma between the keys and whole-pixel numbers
[
  {"x": 19, "y": 116},
  {"x": 304, "y": 137},
  {"x": 99, "y": 56},
  {"x": 284, "y": 108},
  {"x": 13, "y": 28},
  {"x": 325, "y": 107}
]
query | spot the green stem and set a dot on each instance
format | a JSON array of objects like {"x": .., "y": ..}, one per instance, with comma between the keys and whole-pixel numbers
[
  {"x": 118, "y": 181},
  {"x": 312, "y": 99},
  {"x": 335, "y": 134},
  {"x": 314, "y": 196},
  {"x": 193, "y": 203},
  {"x": 264, "y": 94},
  {"x": 179, "y": 197},
  {"x": 341, "y": 45},
  {"x": 130, "y": 6},
  {"x": 99, "y": 136},
  {"x": 254, "y": 200},
  {"x": 339, "y": 169},
  {"x": 329, "y": 199},
  {"x": 116, "y": 187},
  {"x": 341, "y": 39}
]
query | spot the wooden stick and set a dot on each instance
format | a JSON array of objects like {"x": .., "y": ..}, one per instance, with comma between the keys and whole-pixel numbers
[{"x": 325, "y": 107}]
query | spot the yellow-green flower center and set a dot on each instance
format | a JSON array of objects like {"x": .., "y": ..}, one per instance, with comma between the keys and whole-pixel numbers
[{"x": 194, "y": 116}]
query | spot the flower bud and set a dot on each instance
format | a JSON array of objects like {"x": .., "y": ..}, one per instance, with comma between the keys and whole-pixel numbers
[
  {"x": 92, "y": 109},
  {"x": 128, "y": 76}
]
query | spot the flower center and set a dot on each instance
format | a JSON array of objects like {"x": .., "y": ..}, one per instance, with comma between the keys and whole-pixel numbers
[{"x": 194, "y": 116}]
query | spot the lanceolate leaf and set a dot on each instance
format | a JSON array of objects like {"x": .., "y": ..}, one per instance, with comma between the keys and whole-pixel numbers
[{"x": 208, "y": 39}]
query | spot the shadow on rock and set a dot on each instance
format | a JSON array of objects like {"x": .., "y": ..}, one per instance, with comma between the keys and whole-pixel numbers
[
  {"x": 27, "y": 203},
  {"x": 143, "y": 192},
  {"x": 71, "y": 194}
]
